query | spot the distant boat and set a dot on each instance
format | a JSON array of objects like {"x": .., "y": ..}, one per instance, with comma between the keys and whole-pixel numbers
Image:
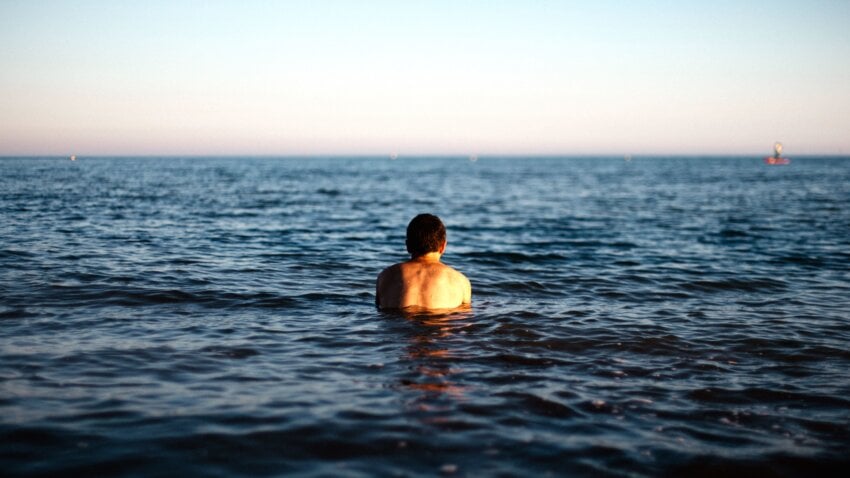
[
  {"x": 777, "y": 158},
  {"x": 73, "y": 158}
]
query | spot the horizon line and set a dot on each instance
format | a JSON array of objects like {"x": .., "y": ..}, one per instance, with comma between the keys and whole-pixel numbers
[{"x": 395, "y": 156}]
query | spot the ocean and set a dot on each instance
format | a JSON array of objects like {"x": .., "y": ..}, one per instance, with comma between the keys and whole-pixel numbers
[{"x": 204, "y": 316}]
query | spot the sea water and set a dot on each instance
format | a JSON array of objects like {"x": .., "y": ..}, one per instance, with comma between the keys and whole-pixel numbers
[{"x": 215, "y": 316}]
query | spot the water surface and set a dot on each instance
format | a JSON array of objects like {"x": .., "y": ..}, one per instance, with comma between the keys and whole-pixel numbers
[{"x": 214, "y": 316}]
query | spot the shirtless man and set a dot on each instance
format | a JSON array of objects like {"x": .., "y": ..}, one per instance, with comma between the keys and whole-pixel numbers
[{"x": 423, "y": 281}]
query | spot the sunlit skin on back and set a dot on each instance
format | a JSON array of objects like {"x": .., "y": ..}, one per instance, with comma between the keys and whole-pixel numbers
[{"x": 423, "y": 282}]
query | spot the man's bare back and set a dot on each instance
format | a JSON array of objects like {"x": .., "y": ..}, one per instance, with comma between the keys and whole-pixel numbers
[{"x": 423, "y": 281}]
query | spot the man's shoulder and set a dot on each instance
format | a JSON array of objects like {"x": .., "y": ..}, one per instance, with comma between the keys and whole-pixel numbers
[
  {"x": 391, "y": 270},
  {"x": 460, "y": 283},
  {"x": 455, "y": 271},
  {"x": 456, "y": 274}
]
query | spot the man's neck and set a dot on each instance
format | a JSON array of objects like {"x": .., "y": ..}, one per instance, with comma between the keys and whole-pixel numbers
[{"x": 429, "y": 257}]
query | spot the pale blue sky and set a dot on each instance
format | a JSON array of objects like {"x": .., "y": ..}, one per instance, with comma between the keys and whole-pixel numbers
[{"x": 445, "y": 77}]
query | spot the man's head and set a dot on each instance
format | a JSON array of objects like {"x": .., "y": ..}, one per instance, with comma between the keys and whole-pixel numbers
[{"x": 425, "y": 233}]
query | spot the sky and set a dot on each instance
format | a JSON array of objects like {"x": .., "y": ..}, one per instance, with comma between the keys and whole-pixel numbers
[{"x": 431, "y": 77}]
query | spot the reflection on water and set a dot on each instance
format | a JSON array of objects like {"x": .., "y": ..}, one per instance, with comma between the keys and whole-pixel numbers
[{"x": 430, "y": 353}]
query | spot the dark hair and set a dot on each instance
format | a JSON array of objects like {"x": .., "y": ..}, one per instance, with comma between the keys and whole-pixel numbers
[{"x": 425, "y": 233}]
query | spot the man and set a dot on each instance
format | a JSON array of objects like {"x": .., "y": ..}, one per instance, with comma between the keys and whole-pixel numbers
[{"x": 423, "y": 281}]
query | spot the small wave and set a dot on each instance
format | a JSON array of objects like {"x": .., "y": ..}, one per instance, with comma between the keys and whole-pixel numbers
[
  {"x": 16, "y": 313},
  {"x": 76, "y": 295},
  {"x": 540, "y": 406},
  {"x": 664, "y": 345},
  {"x": 520, "y": 332},
  {"x": 800, "y": 260},
  {"x": 730, "y": 233},
  {"x": 36, "y": 436},
  {"x": 764, "y": 396},
  {"x": 776, "y": 464},
  {"x": 16, "y": 254},
  {"x": 516, "y": 257},
  {"x": 526, "y": 360},
  {"x": 741, "y": 285},
  {"x": 325, "y": 297},
  {"x": 103, "y": 414},
  {"x": 521, "y": 286},
  {"x": 569, "y": 345},
  {"x": 232, "y": 214},
  {"x": 230, "y": 352}
]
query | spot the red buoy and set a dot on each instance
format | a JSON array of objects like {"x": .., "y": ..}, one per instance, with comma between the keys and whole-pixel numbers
[{"x": 777, "y": 158}]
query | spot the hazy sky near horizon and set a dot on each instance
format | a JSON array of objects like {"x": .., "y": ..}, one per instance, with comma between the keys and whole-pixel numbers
[{"x": 443, "y": 77}]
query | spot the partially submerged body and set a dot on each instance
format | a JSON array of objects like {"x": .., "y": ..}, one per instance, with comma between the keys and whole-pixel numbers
[{"x": 422, "y": 282}]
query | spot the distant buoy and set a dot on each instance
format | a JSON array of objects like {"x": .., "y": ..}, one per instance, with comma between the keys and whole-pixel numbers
[
  {"x": 777, "y": 158},
  {"x": 73, "y": 157},
  {"x": 627, "y": 158},
  {"x": 473, "y": 158},
  {"x": 394, "y": 156}
]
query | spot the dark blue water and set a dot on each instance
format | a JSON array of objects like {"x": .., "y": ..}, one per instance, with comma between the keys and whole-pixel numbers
[{"x": 214, "y": 316}]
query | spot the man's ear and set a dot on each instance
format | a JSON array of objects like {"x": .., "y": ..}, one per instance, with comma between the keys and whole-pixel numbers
[{"x": 443, "y": 247}]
